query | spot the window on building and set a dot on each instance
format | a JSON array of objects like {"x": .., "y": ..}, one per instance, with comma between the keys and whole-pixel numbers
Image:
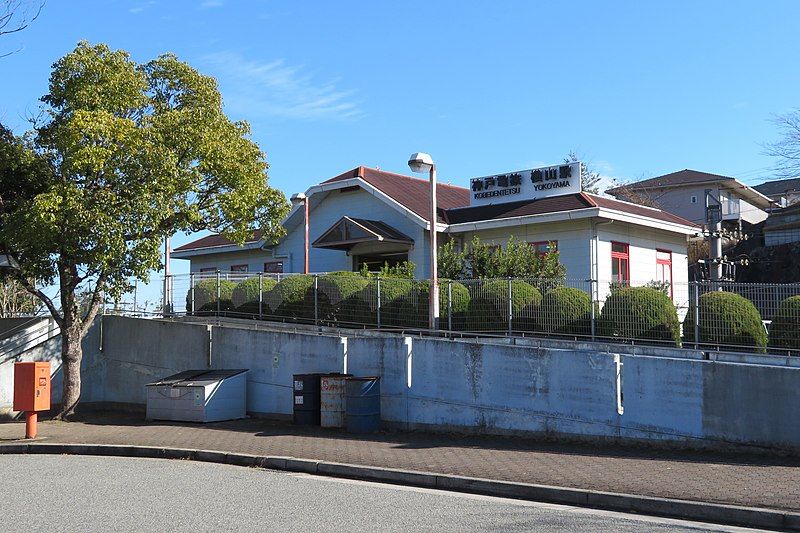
[
  {"x": 542, "y": 247},
  {"x": 664, "y": 268},
  {"x": 694, "y": 199},
  {"x": 620, "y": 263},
  {"x": 238, "y": 268},
  {"x": 273, "y": 267}
]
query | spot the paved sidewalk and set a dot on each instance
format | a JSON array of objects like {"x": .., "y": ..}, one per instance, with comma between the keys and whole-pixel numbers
[{"x": 749, "y": 480}]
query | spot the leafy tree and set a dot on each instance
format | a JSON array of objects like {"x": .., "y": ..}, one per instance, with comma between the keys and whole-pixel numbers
[
  {"x": 590, "y": 179},
  {"x": 15, "y": 300},
  {"x": 127, "y": 154},
  {"x": 517, "y": 260},
  {"x": 451, "y": 262}
]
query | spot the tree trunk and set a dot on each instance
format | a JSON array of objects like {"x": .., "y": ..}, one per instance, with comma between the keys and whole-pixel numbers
[{"x": 71, "y": 355}]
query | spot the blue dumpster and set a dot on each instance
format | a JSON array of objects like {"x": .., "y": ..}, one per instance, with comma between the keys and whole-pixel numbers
[{"x": 363, "y": 396}]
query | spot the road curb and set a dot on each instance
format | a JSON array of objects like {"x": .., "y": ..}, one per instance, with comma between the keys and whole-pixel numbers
[{"x": 629, "y": 503}]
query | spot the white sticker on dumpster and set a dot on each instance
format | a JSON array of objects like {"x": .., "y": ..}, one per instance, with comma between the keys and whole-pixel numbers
[
  {"x": 298, "y": 385},
  {"x": 174, "y": 392},
  {"x": 298, "y": 400}
]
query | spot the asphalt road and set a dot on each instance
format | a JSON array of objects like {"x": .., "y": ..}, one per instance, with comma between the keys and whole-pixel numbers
[{"x": 79, "y": 493}]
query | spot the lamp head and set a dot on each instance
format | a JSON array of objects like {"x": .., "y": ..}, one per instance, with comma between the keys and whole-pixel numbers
[
  {"x": 420, "y": 162},
  {"x": 7, "y": 262},
  {"x": 298, "y": 198}
]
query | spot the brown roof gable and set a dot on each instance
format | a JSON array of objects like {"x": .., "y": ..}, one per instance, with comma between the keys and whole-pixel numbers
[
  {"x": 412, "y": 193},
  {"x": 213, "y": 241},
  {"x": 673, "y": 179}
]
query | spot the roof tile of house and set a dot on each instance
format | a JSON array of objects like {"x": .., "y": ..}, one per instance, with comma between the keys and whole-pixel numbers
[
  {"x": 681, "y": 177},
  {"x": 213, "y": 241}
]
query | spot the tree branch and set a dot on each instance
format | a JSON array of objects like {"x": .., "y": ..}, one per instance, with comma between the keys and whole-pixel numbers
[
  {"x": 43, "y": 297},
  {"x": 94, "y": 305}
]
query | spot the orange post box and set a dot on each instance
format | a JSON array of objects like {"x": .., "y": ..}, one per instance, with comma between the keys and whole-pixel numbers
[{"x": 31, "y": 392}]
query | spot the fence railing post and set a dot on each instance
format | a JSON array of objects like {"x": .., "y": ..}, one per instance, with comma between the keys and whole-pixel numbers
[
  {"x": 449, "y": 305},
  {"x": 316, "y": 300},
  {"x": 378, "y": 304},
  {"x": 191, "y": 293},
  {"x": 510, "y": 309},
  {"x": 594, "y": 298},
  {"x": 260, "y": 294},
  {"x": 696, "y": 314},
  {"x": 219, "y": 294}
]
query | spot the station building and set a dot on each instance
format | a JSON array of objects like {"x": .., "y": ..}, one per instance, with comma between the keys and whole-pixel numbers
[{"x": 370, "y": 216}]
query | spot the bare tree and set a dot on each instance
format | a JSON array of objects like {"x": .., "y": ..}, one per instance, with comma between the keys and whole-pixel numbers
[
  {"x": 787, "y": 149},
  {"x": 590, "y": 178},
  {"x": 16, "y": 15}
]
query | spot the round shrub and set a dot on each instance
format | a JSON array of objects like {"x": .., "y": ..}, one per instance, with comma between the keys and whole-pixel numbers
[
  {"x": 414, "y": 307},
  {"x": 362, "y": 306},
  {"x": 205, "y": 296},
  {"x": 287, "y": 297},
  {"x": 488, "y": 308},
  {"x": 640, "y": 313},
  {"x": 785, "y": 329},
  {"x": 726, "y": 318},
  {"x": 333, "y": 291},
  {"x": 245, "y": 295},
  {"x": 565, "y": 311}
]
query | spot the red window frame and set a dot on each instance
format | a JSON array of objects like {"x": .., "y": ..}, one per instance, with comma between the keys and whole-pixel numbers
[
  {"x": 542, "y": 247},
  {"x": 623, "y": 274},
  {"x": 664, "y": 263}
]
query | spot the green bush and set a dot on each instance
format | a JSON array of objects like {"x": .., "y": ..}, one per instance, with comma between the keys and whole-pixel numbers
[
  {"x": 565, "y": 311},
  {"x": 362, "y": 306},
  {"x": 488, "y": 309},
  {"x": 726, "y": 318},
  {"x": 245, "y": 295},
  {"x": 639, "y": 313},
  {"x": 785, "y": 329},
  {"x": 287, "y": 298},
  {"x": 205, "y": 296},
  {"x": 333, "y": 293},
  {"x": 414, "y": 307}
]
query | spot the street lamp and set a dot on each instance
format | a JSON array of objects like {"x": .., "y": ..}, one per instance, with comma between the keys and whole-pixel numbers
[
  {"x": 422, "y": 162},
  {"x": 7, "y": 262},
  {"x": 301, "y": 198}
]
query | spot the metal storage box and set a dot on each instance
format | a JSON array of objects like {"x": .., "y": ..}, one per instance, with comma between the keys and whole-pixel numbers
[{"x": 198, "y": 396}]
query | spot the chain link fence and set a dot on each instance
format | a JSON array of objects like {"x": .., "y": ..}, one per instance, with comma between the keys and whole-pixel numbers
[{"x": 758, "y": 318}]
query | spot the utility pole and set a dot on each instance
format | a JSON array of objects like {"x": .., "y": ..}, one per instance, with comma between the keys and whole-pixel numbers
[
  {"x": 166, "y": 308},
  {"x": 714, "y": 221}
]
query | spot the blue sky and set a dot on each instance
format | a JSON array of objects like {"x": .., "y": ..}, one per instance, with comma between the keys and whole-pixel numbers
[{"x": 637, "y": 88}]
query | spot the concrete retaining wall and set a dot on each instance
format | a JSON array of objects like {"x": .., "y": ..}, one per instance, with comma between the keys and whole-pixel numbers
[{"x": 470, "y": 386}]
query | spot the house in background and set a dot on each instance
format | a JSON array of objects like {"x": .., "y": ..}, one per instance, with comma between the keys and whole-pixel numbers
[
  {"x": 783, "y": 226},
  {"x": 370, "y": 217},
  {"x": 683, "y": 193},
  {"x": 782, "y": 192}
]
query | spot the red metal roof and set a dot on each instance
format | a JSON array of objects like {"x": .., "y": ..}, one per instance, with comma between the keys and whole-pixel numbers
[
  {"x": 413, "y": 193},
  {"x": 212, "y": 241},
  {"x": 673, "y": 179}
]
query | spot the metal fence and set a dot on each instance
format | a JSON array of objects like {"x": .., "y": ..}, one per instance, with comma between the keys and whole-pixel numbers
[{"x": 707, "y": 315}]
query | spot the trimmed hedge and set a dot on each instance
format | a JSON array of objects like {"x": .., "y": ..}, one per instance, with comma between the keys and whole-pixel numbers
[
  {"x": 414, "y": 306},
  {"x": 726, "y": 318},
  {"x": 333, "y": 291},
  {"x": 488, "y": 309},
  {"x": 205, "y": 296},
  {"x": 361, "y": 307},
  {"x": 565, "y": 311},
  {"x": 639, "y": 313},
  {"x": 245, "y": 295},
  {"x": 287, "y": 298},
  {"x": 785, "y": 329}
]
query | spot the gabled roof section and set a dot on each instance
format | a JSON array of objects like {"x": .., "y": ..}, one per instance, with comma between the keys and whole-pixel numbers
[
  {"x": 412, "y": 193},
  {"x": 674, "y": 179},
  {"x": 687, "y": 177},
  {"x": 772, "y": 188},
  {"x": 635, "y": 209},
  {"x": 215, "y": 241},
  {"x": 349, "y": 231}
]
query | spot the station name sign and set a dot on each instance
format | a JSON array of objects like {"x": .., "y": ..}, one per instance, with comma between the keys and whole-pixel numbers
[{"x": 530, "y": 184}]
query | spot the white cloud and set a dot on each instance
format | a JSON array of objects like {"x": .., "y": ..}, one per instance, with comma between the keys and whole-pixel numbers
[
  {"x": 136, "y": 10},
  {"x": 274, "y": 89},
  {"x": 211, "y": 3}
]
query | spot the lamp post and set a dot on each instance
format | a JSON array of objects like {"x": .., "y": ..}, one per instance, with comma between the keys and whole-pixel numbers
[
  {"x": 298, "y": 198},
  {"x": 422, "y": 162}
]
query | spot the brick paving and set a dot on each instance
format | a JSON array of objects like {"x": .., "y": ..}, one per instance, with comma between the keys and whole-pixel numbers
[{"x": 751, "y": 480}]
